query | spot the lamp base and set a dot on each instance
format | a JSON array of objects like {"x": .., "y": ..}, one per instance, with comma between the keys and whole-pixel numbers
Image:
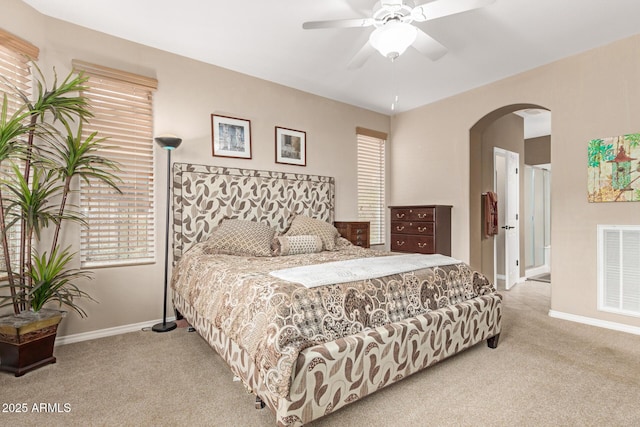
[{"x": 164, "y": 327}]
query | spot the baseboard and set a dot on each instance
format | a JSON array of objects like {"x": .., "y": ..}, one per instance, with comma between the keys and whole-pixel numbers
[
  {"x": 108, "y": 332},
  {"x": 503, "y": 277},
  {"x": 530, "y": 272},
  {"x": 595, "y": 322}
]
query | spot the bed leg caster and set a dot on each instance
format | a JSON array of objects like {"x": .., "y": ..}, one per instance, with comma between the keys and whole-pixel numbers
[
  {"x": 259, "y": 403},
  {"x": 493, "y": 341}
]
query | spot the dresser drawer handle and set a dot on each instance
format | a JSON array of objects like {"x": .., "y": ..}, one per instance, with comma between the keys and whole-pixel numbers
[
  {"x": 424, "y": 215},
  {"x": 399, "y": 227},
  {"x": 400, "y": 243},
  {"x": 422, "y": 245},
  {"x": 400, "y": 215},
  {"x": 422, "y": 229}
]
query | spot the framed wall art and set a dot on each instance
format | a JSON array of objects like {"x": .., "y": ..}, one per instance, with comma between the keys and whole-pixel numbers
[
  {"x": 614, "y": 169},
  {"x": 291, "y": 146},
  {"x": 231, "y": 137}
]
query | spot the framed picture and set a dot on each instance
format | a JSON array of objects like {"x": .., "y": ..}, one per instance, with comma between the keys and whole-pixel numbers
[
  {"x": 291, "y": 146},
  {"x": 231, "y": 137},
  {"x": 613, "y": 169}
]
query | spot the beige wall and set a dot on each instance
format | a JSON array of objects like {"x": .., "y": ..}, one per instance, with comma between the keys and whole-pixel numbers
[
  {"x": 537, "y": 151},
  {"x": 506, "y": 132},
  {"x": 590, "y": 95},
  {"x": 188, "y": 93}
]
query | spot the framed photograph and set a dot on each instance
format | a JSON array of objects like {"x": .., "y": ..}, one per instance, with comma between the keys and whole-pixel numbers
[
  {"x": 291, "y": 146},
  {"x": 231, "y": 137}
]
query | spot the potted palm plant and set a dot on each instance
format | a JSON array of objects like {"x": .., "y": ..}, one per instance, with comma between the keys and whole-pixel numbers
[{"x": 42, "y": 155}]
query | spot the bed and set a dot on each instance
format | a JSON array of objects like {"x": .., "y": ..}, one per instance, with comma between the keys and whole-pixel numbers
[{"x": 306, "y": 343}]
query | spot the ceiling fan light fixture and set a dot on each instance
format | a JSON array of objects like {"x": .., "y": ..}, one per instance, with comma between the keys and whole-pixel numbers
[{"x": 393, "y": 38}]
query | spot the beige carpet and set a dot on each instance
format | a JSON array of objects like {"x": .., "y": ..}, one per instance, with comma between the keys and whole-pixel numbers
[{"x": 544, "y": 372}]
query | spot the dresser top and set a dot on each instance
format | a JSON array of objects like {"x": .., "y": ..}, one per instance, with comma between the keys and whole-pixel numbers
[{"x": 419, "y": 206}]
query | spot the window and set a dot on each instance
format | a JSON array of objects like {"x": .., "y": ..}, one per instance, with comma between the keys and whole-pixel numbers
[
  {"x": 15, "y": 55},
  {"x": 120, "y": 227},
  {"x": 371, "y": 181}
]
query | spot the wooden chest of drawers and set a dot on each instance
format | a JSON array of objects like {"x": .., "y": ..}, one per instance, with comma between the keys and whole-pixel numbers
[
  {"x": 357, "y": 232},
  {"x": 422, "y": 229}
]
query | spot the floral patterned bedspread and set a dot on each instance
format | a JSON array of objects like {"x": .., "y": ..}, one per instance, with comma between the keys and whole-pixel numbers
[{"x": 273, "y": 320}]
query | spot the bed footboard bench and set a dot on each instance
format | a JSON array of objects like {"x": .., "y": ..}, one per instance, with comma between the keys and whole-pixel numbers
[{"x": 332, "y": 375}]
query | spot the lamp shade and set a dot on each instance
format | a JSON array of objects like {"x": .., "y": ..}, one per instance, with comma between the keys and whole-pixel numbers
[
  {"x": 168, "y": 142},
  {"x": 392, "y": 39}
]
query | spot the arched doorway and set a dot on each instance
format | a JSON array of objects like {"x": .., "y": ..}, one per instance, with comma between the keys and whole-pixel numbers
[{"x": 501, "y": 131}]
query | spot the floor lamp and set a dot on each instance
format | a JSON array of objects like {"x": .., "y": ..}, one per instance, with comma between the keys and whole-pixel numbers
[{"x": 169, "y": 143}]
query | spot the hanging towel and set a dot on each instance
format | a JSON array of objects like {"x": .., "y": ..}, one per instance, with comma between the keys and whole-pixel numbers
[{"x": 490, "y": 214}]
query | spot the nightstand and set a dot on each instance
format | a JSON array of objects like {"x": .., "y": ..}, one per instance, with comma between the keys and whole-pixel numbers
[{"x": 357, "y": 232}]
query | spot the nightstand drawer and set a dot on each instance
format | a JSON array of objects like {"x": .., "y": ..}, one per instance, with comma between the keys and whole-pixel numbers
[
  {"x": 360, "y": 240},
  {"x": 359, "y": 229}
]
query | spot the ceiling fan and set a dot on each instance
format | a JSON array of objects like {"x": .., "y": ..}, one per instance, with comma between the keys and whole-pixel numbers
[{"x": 394, "y": 31}]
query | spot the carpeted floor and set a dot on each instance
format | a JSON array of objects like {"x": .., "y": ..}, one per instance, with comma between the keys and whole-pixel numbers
[
  {"x": 545, "y": 372},
  {"x": 546, "y": 277}
]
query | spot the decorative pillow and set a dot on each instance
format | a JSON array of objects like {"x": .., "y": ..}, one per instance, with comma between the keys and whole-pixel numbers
[
  {"x": 303, "y": 225},
  {"x": 342, "y": 243},
  {"x": 294, "y": 245},
  {"x": 241, "y": 237}
]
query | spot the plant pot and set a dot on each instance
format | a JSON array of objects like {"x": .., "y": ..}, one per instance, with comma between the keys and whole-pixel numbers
[{"x": 27, "y": 339}]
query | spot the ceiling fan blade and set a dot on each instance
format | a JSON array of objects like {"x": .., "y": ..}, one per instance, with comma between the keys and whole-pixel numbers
[
  {"x": 428, "y": 46},
  {"x": 340, "y": 23},
  {"x": 439, "y": 8},
  {"x": 361, "y": 57}
]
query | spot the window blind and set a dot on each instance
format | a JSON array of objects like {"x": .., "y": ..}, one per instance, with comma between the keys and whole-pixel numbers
[
  {"x": 15, "y": 55},
  {"x": 120, "y": 228},
  {"x": 371, "y": 182}
]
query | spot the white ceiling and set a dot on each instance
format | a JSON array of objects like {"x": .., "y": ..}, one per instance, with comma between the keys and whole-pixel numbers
[
  {"x": 537, "y": 122},
  {"x": 265, "y": 39}
]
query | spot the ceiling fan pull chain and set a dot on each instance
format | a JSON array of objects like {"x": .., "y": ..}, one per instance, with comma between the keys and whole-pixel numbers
[{"x": 394, "y": 92}]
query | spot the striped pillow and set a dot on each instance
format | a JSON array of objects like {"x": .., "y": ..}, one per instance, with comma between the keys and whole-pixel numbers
[{"x": 294, "y": 245}]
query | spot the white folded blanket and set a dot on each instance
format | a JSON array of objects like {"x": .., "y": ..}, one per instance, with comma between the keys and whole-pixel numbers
[{"x": 360, "y": 269}]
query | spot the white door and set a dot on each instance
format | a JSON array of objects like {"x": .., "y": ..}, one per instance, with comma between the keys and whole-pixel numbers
[{"x": 510, "y": 227}]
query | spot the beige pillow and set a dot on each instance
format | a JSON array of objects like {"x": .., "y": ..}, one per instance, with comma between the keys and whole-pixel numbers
[
  {"x": 303, "y": 225},
  {"x": 241, "y": 237},
  {"x": 294, "y": 245}
]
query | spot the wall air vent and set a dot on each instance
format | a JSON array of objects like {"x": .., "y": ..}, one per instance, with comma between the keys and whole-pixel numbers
[{"x": 619, "y": 269}]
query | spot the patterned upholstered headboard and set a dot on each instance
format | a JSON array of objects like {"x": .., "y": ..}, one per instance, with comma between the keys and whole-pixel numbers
[{"x": 204, "y": 195}]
